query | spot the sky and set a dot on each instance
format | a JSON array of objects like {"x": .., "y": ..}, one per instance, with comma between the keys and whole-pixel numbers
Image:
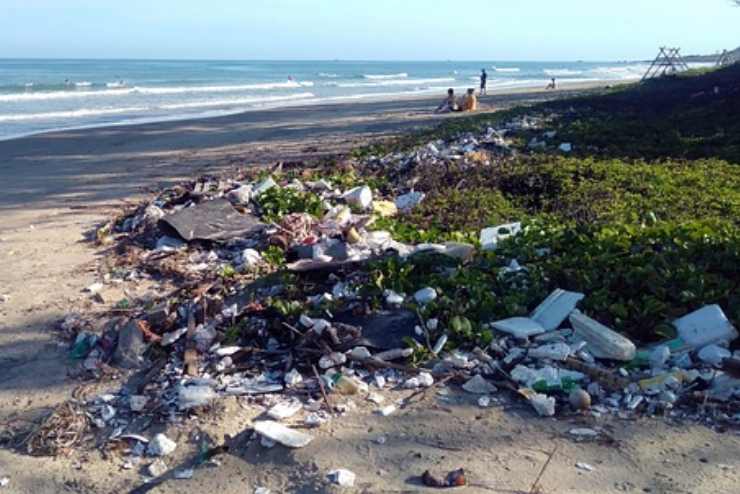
[{"x": 536, "y": 30}]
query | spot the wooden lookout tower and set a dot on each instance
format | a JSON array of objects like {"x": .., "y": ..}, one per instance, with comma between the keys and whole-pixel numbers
[
  {"x": 724, "y": 59},
  {"x": 668, "y": 62}
]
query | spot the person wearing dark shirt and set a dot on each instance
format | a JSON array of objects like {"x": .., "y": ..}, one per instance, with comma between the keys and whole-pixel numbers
[{"x": 449, "y": 104}]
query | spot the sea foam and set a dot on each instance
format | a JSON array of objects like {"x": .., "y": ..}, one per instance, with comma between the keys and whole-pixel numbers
[
  {"x": 377, "y": 77},
  {"x": 124, "y": 91},
  {"x": 64, "y": 115},
  {"x": 396, "y": 82},
  {"x": 562, "y": 72}
]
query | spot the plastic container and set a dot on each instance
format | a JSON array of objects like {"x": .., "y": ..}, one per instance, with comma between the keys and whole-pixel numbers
[
  {"x": 566, "y": 384},
  {"x": 359, "y": 197},
  {"x": 602, "y": 342}
]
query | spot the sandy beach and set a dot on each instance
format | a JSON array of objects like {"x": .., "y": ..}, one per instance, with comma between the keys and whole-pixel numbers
[
  {"x": 292, "y": 247},
  {"x": 57, "y": 187}
]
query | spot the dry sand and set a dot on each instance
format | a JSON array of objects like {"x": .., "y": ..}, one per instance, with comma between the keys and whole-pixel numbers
[{"x": 57, "y": 187}]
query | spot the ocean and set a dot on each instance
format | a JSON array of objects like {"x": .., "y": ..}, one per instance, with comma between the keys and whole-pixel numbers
[{"x": 43, "y": 95}]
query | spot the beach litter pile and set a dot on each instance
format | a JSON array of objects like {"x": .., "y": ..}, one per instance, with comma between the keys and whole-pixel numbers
[{"x": 281, "y": 287}]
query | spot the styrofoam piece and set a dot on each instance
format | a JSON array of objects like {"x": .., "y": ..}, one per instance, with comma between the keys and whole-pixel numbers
[
  {"x": 425, "y": 295},
  {"x": 520, "y": 327},
  {"x": 161, "y": 445},
  {"x": 555, "y": 308},
  {"x": 490, "y": 237},
  {"x": 342, "y": 477},
  {"x": 279, "y": 433},
  {"x": 250, "y": 258},
  {"x": 393, "y": 298},
  {"x": 713, "y": 355},
  {"x": 226, "y": 351},
  {"x": 285, "y": 410},
  {"x": 601, "y": 341},
  {"x": 705, "y": 326}
]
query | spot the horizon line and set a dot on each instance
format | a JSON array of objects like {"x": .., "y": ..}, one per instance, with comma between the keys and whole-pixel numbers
[{"x": 129, "y": 59}]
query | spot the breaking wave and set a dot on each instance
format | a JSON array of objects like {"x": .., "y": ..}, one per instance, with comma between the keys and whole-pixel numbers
[
  {"x": 123, "y": 91},
  {"x": 377, "y": 77},
  {"x": 84, "y": 112},
  {"x": 396, "y": 82},
  {"x": 562, "y": 72}
]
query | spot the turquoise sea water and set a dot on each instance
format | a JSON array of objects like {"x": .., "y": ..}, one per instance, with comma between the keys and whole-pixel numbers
[{"x": 42, "y": 95}]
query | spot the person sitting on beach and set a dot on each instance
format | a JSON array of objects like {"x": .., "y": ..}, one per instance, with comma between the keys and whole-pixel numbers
[
  {"x": 552, "y": 84},
  {"x": 469, "y": 101},
  {"x": 449, "y": 104}
]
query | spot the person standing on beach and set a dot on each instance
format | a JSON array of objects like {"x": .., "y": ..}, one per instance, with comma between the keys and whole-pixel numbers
[{"x": 483, "y": 81}]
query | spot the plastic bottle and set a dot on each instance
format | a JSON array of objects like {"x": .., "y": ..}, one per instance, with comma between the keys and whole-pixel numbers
[{"x": 566, "y": 384}]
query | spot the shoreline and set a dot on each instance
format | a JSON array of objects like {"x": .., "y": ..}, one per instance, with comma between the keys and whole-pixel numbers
[
  {"x": 86, "y": 167},
  {"x": 315, "y": 103}
]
